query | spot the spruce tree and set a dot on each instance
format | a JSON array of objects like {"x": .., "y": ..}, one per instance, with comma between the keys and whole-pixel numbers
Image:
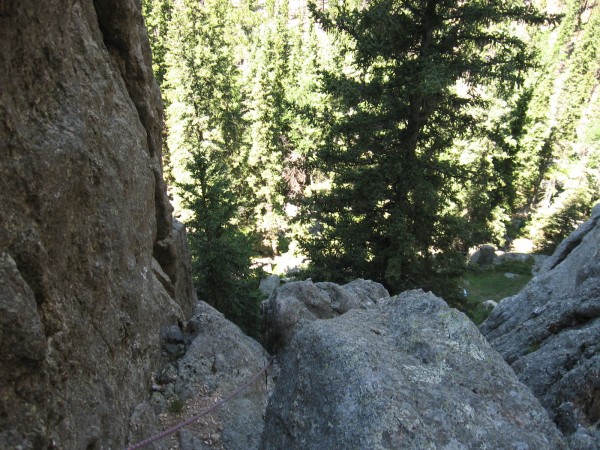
[
  {"x": 157, "y": 15},
  {"x": 207, "y": 138},
  {"x": 280, "y": 74},
  {"x": 393, "y": 212},
  {"x": 268, "y": 79},
  {"x": 560, "y": 177}
]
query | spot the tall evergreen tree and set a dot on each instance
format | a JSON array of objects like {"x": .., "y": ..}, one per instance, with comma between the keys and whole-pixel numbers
[
  {"x": 560, "y": 180},
  {"x": 269, "y": 121},
  {"x": 209, "y": 153},
  {"x": 157, "y": 14},
  {"x": 492, "y": 159},
  {"x": 393, "y": 213},
  {"x": 280, "y": 74}
]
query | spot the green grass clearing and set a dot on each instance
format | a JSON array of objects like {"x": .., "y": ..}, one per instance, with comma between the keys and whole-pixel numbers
[
  {"x": 491, "y": 283},
  {"x": 492, "y": 286}
]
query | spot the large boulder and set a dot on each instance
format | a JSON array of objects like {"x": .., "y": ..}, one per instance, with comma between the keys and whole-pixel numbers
[
  {"x": 86, "y": 236},
  {"x": 550, "y": 332},
  {"x": 296, "y": 303},
  {"x": 484, "y": 256},
  {"x": 217, "y": 359},
  {"x": 410, "y": 373}
]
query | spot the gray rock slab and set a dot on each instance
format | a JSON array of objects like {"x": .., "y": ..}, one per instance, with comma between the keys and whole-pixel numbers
[
  {"x": 484, "y": 256},
  {"x": 269, "y": 284},
  {"x": 296, "y": 303},
  {"x": 408, "y": 373},
  {"x": 143, "y": 424},
  {"x": 83, "y": 211},
  {"x": 219, "y": 360},
  {"x": 550, "y": 331}
]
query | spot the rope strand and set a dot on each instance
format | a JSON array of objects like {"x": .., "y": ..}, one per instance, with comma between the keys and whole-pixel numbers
[{"x": 181, "y": 425}]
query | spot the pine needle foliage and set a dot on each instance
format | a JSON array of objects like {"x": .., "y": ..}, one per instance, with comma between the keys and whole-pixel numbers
[
  {"x": 207, "y": 138},
  {"x": 393, "y": 213}
]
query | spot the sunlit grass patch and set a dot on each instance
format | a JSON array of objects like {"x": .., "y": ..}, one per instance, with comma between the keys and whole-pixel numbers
[{"x": 494, "y": 283}]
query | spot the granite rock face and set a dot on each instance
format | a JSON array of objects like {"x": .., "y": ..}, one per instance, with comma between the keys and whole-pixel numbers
[
  {"x": 550, "y": 332},
  {"x": 297, "y": 303},
  {"x": 410, "y": 373},
  {"x": 86, "y": 232},
  {"x": 220, "y": 358}
]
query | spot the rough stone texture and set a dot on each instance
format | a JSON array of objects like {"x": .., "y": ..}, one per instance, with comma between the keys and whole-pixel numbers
[
  {"x": 173, "y": 255},
  {"x": 83, "y": 214},
  {"x": 550, "y": 332},
  {"x": 144, "y": 423},
  {"x": 219, "y": 359},
  {"x": 188, "y": 441},
  {"x": 125, "y": 37},
  {"x": 409, "y": 373},
  {"x": 296, "y": 303},
  {"x": 21, "y": 330}
]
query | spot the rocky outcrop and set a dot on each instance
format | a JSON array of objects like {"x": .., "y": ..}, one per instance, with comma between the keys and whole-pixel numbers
[
  {"x": 213, "y": 358},
  {"x": 88, "y": 253},
  {"x": 550, "y": 332},
  {"x": 408, "y": 372},
  {"x": 173, "y": 267},
  {"x": 297, "y": 303}
]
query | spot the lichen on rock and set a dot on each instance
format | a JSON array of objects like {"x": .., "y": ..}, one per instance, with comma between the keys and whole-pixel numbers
[{"x": 409, "y": 372}]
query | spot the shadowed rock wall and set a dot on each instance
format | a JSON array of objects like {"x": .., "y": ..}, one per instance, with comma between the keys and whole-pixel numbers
[
  {"x": 90, "y": 264},
  {"x": 550, "y": 334}
]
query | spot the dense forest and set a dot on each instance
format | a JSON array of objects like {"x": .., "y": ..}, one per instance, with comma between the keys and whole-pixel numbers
[{"x": 381, "y": 139}]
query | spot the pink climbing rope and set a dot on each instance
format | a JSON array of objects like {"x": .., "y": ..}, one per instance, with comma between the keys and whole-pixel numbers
[{"x": 181, "y": 425}]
